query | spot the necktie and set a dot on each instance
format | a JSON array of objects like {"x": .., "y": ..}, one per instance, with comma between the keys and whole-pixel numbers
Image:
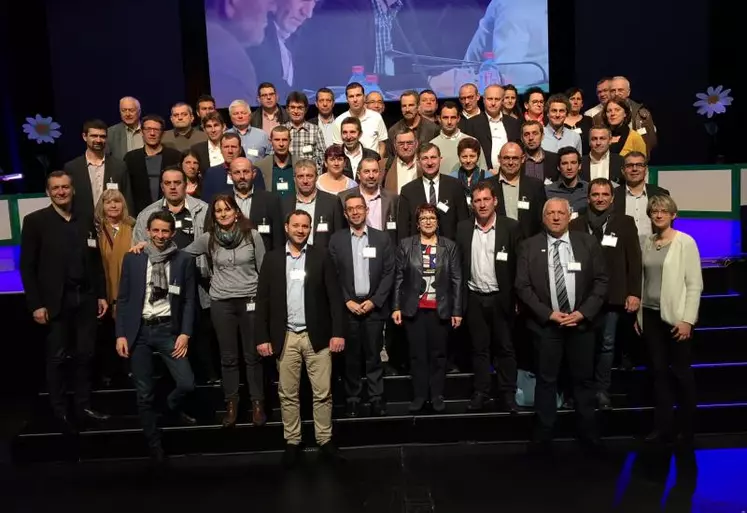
[
  {"x": 560, "y": 290},
  {"x": 432, "y": 194}
]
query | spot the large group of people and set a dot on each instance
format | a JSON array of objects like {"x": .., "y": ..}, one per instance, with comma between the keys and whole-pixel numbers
[{"x": 456, "y": 232}]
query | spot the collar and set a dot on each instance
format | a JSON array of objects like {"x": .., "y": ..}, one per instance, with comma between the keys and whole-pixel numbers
[
  {"x": 558, "y": 134},
  {"x": 239, "y": 198},
  {"x": 165, "y": 204},
  {"x": 135, "y": 130},
  {"x": 455, "y": 137},
  {"x": 561, "y": 185},
  {"x": 495, "y": 120},
  {"x": 539, "y": 158},
  {"x": 212, "y": 146},
  {"x": 89, "y": 163},
  {"x": 304, "y": 126},
  {"x": 436, "y": 179},
  {"x": 503, "y": 179},
  {"x": 325, "y": 121},
  {"x": 630, "y": 193},
  {"x": 370, "y": 197},
  {"x": 289, "y": 161},
  {"x": 187, "y": 134},
  {"x": 365, "y": 232},
  {"x": 288, "y": 250},
  {"x": 468, "y": 116},
  {"x": 565, "y": 238},
  {"x": 356, "y": 153},
  {"x": 404, "y": 164},
  {"x": 312, "y": 200},
  {"x": 606, "y": 156},
  {"x": 491, "y": 226},
  {"x": 272, "y": 117}
]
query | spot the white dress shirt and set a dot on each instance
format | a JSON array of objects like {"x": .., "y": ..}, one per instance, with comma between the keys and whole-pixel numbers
[
  {"x": 405, "y": 174},
  {"x": 499, "y": 136},
  {"x": 427, "y": 186},
  {"x": 214, "y": 154},
  {"x": 599, "y": 168}
]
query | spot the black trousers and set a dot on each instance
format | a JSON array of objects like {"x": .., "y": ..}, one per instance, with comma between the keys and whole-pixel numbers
[
  {"x": 234, "y": 326},
  {"x": 578, "y": 346},
  {"x": 427, "y": 335},
  {"x": 108, "y": 364},
  {"x": 664, "y": 352},
  {"x": 201, "y": 347},
  {"x": 73, "y": 329},
  {"x": 365, "y": 340},
  {"x": 490, "y": 331}
]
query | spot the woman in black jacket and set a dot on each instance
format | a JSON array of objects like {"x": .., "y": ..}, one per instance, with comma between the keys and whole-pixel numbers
[{"x": 428, "y": 297}]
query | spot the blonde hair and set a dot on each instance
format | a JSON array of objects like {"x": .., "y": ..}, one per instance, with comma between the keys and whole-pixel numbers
[
  {"x": 661, "y": 201},
  {"x": 111, "y": 195}
]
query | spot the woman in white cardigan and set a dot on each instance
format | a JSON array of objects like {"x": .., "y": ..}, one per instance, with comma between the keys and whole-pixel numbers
[{"x": 672, "y": 284}]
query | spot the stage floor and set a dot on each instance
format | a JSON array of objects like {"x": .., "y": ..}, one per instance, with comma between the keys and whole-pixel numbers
[{"x": 717, "y": 239}]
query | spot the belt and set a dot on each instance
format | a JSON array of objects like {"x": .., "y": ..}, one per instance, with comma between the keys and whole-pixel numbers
[
  {"x": 154, "y": 321},
  {"x": 483, "y": 294}
]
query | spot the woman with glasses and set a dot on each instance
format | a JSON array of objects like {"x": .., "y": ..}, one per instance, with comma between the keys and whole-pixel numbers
[
  {"x": 672, "y": 284},
  {"x": 428, "y": 301},
  {"x": 332, "y": 180},
  {"x": 616, "y": 116}
]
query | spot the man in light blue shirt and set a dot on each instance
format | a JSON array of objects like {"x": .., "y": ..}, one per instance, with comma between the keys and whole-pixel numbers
[
  {"x": 254, "y": 141},
  {"x": 556, "y": 134}
]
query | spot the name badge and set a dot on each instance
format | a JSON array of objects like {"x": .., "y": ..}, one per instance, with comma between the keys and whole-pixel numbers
[
  {"x": 175, "y": 289},
  {"x": 391, "y": 225},
  {"x": 250, "y": 307},
  {"x": 307, "y": 148},
  {"x": 443, "y": 207},
  {"x": 574, "y": 215},
  {"x": 178, "y": 224},
  {"x": 297, "y": 274},
  {"x": 642, "y": 130},
  {"x": 111, "y": 186},
  {"x": 501, "y": 256},
  {"x": 229, "y": 180},
  {"x": 469, "y": 201},
  {"x": 369, "y": 252},
  {"x": 523, "y": 205},
  {"x": 577, "y": 130},
  {"x": 91, "y": 243},
  {"x": 252, "y": 152},
  {"x": 609, "y": 240},
  {"x": 548, "y": 181},
  {"x": 574, "y": 266},
  {"x": 281, "y": 186},
  {"x": 322, "y": 228},
  {"x": 263, "y": 228}
]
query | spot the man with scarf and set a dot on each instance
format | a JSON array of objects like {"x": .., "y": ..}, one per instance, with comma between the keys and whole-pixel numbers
[
  {"x": 155, "y": 313},
  {"x": 617, "y": 234}
]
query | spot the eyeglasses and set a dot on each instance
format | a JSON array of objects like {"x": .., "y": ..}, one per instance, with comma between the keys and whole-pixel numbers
[
  {"x": 128, "y": 111},
  {"x": 371, "y": 102},
  {"x": 634, "y": 165},
  {"x": 536, "y": 102},
  {"x": 428, "y": 219},
  {"x": 357, "y": 208},
  {"x": 508, "y": 158}
]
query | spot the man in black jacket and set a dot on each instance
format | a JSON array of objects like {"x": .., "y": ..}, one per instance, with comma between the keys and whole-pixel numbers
[
  {"x": 364, "y": 259},
  {"x": 63, "y": 279},
  {"x": 488, "y": 246},
  {"x": 617, "y": 234},
  {"x": 301, "y": 319},
  {"x": 324, "y": 208},
  {"x": 562, "y": 282},
  {"x": 145, "y": 164},
  {"x": 492, "y": 128}
]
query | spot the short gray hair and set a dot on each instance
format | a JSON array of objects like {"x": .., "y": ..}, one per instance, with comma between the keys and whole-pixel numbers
[
  {"x": 132, "y": 99},
  {"x": 304, "y": 163},
  {"x": 238, "y": 103},
  {"x": 561, "y": 200}
]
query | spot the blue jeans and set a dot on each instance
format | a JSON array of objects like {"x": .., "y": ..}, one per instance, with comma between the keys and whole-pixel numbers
[
  {"x": 158, "y": 338},
  {"x": 606, "y": 336}
]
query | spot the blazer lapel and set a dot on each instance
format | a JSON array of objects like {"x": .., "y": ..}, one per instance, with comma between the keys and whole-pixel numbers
[
  {"x": 175, "y": 279},
  {"x": 141, "y": 270},
  {"x": 348, "y": 255},
  {"x": 386, "y": 202}
]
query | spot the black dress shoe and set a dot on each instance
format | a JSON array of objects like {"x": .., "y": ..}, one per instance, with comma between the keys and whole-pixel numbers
[
  {"x": 438, "y": 404},
  {"x": 508, "y": 404},
  {"x": 389, "y": 369},
  {"x": 292, "y": 455},
  {"x": 477, "y": 402},
  {"x": 351, "y": 409},
  {"x": 158, "y": 458},
  {"x": 331, "y": 453},
  {"x": 214, "y": 381},
  {"x": 65, "y": 425},
  {"x": 658, "y": 437},
  {"x": 89, "y": 414},
  {"x": 378, "y": 408},
  {"x": 180, "y": 418},
  {"x": 416, "y": 405},
  {"x": 603, "y": 400},
  {"x": 451, "y": 368}
]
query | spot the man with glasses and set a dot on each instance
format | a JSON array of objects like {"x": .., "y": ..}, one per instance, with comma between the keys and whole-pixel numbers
[
  {"x": 145, "y": 164},
  {"x": 519, "y": 197},
  {"x": 306, "y": 139},
  {"x": 270, "y": 114},
  {"x": 401, "y": 168},
  {"x": 375, "y": 102},
  {"x": 469, "y": 98},
  {"x": 126, "y": 135},
  {"x": 364, "y": 260},
  {"x": 632, "y": 197}
]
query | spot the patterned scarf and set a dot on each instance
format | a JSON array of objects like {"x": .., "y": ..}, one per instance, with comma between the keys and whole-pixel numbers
[{"x": 158, "y": 259}]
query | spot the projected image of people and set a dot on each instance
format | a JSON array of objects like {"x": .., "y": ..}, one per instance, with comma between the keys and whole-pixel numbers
[{"x": 389, "y": 46}]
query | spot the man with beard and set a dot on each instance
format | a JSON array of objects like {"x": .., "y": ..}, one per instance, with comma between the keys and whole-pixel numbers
[
  {"x": 355, "y": 152},
  {"x": 92, "y": 172},
  {"x": 617, "y": 234},
  {"x": 540, "y": 164},
  {"x": 409, "y": 103}
]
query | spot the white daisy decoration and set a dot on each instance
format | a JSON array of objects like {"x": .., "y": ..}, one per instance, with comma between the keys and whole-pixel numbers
[
  {"x": 713, "y": 101},
  {"x": 42, "y": 130}
]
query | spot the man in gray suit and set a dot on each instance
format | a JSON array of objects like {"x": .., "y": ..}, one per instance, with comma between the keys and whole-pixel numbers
[{"x": 126, "y": 135}]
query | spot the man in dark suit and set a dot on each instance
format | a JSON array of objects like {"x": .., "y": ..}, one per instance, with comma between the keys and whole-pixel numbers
[
  {"x": 217, "y": 179},
  {"x": 600, "y": 162},
  {"x": 65, "y": 289},
  {"x": 364, "y": 259},
  {"x": 209, "y": 152},
  {"x": 355, "y": 152},
  {"x": 492, "y": 128},
  {"x": 562, "y": 282},
  {"x": 443, "y": 192},
  {"x": 631, "y": 198},
  {"x": 539, "y": 164},
  {"x": 382, "y": 204},
  {"x": 145, "y": 164},
  {"x": 155, "y": 314},
  {"x": 519, "y": 197},
  {"x": 92, "y": 173},
  {"x": 301, "y": 319},
  {"x": 325, "y": 208},
  {"x": 488, "y": 247},
  {"x": 618, "y": 236}
]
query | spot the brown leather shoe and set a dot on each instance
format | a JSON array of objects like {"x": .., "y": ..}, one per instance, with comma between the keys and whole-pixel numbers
[
  {"x": 232, "y": 411},
  {"x": 258, "y": 413}
]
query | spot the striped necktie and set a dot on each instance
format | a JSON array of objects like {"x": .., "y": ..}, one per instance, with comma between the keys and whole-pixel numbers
[
  {"x": 560, "y": 290},
  {"x": 432, "y": 193}
]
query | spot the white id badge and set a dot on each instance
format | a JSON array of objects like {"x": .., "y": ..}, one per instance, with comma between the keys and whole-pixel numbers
[
  {"x": 391, "y": 225},
  {"x": 469, "y": 201},
  {"x": 642, "y": 130},
  {"x": 297, "y": 274},
  {"x": 609, "y": 240},
  {"x": 322, "y": 228},
  {"x": 175, "y": 289},
  {"x": 263, "y": 228},
  {"x": 250, "y": 307},
  {"x": 501, "y": 256},
  {"x": 307, "y": 148},
  {"x": 252, "y": 152},
  {"x": 577, "y": 130},
  {"x": 574, "y": 215},
  {"x": 229, "y": 180},
  {"x": 111, "y": 186},
  {"x": 443, "y": 207},
  {"x": 91, "y": 243},
  {"x": 548, "y": 181},
  {"x": 369, "y": 252},
  {"x": 178, "y": 224},
  {"x": 523, "y": 205},
  {"x": 281, "y": 186},
  {"x": 574, "y": 266}
]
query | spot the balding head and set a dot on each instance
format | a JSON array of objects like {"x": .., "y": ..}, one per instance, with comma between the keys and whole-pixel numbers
[
  {"x": 511, "y": 159},
  {"x": 619, "y": 88},
  {"x": 242, "y": 174},
  {"x": 492, "y": 98}
]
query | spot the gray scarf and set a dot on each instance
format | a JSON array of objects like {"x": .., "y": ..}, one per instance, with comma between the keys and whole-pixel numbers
[{"x": 158, "y": 259}]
